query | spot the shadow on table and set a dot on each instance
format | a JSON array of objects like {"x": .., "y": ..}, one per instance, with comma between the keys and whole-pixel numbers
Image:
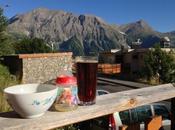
[{"x": 11, "y": 114}]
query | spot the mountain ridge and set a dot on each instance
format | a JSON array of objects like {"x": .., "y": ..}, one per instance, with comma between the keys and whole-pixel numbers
[
  {"x": 141, "y": 30},
  {"x": 92, "y": 33},
  {"x": 60, "y": 26}
]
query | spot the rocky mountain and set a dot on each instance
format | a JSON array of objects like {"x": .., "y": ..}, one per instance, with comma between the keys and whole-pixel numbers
[
  {"x": 82, "y": 34},
  {"x": 137, "y": 27},
  {"x": 141, "y": 30}
]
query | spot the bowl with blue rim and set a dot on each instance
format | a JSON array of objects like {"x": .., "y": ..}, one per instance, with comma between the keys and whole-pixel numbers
[{"x": 31, "y": 100}]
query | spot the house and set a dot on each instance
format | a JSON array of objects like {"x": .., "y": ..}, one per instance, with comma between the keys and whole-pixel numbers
[
  {"x": 131, "y": 61},
  {"x": 110, "y": 62},
  {"x": 165, "y": 42}
]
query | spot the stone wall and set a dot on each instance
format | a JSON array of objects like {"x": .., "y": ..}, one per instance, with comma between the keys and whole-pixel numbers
[
  {"x": 38, "y": 68},
  {"x": 41, "y": 68}
]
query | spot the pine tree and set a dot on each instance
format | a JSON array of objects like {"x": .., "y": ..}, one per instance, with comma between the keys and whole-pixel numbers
[{"x": 161, "y": 64}]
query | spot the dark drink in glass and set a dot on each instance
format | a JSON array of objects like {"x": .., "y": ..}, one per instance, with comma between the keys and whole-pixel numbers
[{"x": 86, "y": 79}]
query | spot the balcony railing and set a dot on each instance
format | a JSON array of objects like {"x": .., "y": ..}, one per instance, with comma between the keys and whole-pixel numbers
[{"x": 105, "y": 105}]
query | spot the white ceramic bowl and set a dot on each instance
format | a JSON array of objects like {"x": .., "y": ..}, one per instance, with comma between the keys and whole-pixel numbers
[{"x": 31, "y": 100}]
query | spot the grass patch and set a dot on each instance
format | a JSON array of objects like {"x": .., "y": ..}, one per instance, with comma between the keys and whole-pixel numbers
[{"x": 6, "y": 79}]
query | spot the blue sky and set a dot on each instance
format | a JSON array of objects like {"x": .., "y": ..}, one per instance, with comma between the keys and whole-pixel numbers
[{"x": 160, "y": 14}]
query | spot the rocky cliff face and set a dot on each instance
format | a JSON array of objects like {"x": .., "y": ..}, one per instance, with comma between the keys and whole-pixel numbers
[{"x": 64, "y": 29}]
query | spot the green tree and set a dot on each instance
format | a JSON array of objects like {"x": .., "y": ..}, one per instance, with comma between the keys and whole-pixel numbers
[
  {"x": 74, "y": 45},
  {"x": 161, "y": 64},
  {"x": 3, "y": 21},
  {"x": 34, "y": 45},
  {"x": 6, "y": 46}
]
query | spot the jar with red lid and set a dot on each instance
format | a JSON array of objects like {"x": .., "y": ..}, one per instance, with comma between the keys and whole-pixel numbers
[{"x": 67, "y": 93}]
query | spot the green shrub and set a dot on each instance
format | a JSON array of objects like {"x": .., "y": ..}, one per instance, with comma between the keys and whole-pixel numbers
[
  {"x": 5, "y": 80},
  {"x": 31, "y": 45}
]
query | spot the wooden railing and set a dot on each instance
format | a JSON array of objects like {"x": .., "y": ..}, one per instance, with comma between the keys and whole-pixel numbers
[{"x": 105, "y": 105}]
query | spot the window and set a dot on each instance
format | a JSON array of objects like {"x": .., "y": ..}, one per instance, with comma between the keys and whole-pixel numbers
[
  {"x": 143, "y": 113},
  {"x": 161, "y": 110},
  {"x": 125, "y": 118},
  {"x": 135, "y": 56},
  {"x": 134, "y": 118}
]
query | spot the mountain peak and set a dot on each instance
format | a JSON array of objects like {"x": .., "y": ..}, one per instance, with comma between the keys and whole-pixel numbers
[
  {"x": 138, "y": 27},
  {"x": 141, "y": 30},
  {"x": 143, "y": 24}
]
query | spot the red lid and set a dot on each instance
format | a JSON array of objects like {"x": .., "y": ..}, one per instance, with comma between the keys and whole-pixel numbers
[{"x": 66, "y": 80}]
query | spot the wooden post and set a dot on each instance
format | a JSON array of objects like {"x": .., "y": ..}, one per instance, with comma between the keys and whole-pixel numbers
[
  {"x": 173, "y": 114},
  {"x": 154, "y": 123}
]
